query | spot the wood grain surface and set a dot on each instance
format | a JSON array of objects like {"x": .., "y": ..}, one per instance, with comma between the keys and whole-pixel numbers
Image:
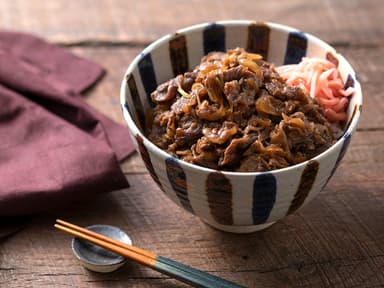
[{"x": 337, "y": 240}]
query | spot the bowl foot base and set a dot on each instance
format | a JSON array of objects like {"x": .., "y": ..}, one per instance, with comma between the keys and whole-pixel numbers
[{"x": 241, "y": 228}]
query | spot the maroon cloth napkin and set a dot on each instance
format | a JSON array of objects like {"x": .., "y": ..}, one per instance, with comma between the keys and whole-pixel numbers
[{"x": 54, "y": 148}]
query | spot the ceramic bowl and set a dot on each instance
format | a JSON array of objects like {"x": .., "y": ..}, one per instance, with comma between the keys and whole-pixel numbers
[
  {"x": 231, "y": 201},
  {"x": 98, "y": 259}
]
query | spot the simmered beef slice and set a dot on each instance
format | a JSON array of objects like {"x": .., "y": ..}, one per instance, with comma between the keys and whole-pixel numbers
[{"x": 234, "y": 112}]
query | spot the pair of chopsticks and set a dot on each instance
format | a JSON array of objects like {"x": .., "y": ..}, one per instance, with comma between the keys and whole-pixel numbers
[{"x": 179, "y": 271}]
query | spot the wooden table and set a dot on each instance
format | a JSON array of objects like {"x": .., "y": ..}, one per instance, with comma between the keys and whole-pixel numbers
[{"x": 335, "y": 241}]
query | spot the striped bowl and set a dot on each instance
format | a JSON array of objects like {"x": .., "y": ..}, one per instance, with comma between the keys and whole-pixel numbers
[{"x": 231, "y": 201}]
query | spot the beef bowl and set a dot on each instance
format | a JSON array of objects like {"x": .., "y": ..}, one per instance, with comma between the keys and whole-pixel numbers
[{"x": 231, "y": 110}]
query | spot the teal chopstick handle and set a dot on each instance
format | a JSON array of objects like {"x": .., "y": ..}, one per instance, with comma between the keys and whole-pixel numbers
[{"x": 191, "y": 276}]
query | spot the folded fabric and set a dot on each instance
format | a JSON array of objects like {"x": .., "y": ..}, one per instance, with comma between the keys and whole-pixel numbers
[{"x": 54, "y": 147}]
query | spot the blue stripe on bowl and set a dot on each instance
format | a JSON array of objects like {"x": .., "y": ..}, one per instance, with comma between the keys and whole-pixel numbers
[
  {"x": 350, "y": 82},
  {"x": 148, "y": 76},
  {"x": 355, "y": 109},
  {"x": 258, "y": 39},
  {"x": 297, "y": 44},
  {"x": 347, "y": 139},
  {"x": 138, "y": 106},
  {"x": 147, "y": 160},
  {"x": 178, "y": 180},
  {"x": 307, "y": 179},
  {"x": 219, "y": 195},
  {"x": 264, "y": 197},
  {"x": 178, "y": 54},
  {"x": 214, "y": 38}
]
